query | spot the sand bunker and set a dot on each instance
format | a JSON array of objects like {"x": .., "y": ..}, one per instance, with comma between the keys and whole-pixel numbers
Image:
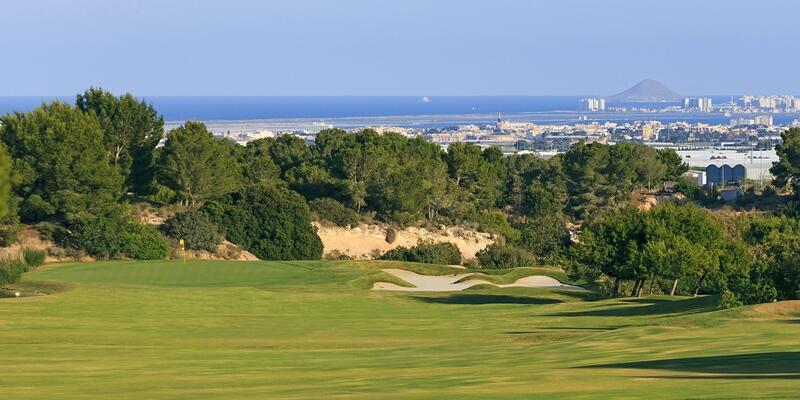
[{"x": 449, "y": 283}]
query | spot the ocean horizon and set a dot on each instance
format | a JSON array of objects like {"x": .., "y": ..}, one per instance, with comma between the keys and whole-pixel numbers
[{"x": 180, "y": 108}]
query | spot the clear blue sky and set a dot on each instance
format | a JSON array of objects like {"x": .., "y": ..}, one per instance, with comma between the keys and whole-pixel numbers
[{"x": 398, "y": 47}]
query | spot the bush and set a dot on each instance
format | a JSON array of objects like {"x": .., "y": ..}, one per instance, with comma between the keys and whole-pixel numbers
[
  {"x": 33, "y": 258},
  {"x": 8, "y": 235},
  {"x": 272, "y": 222},
  {"x": 337, "y": 255},
  {"x": 496, "y": 222},
  {"x": 112, "y": 236},
  {"x": 428, "y": 252},
  {"x": 195, "y": 228},
  {"x": 330, "y": 210},
  {"x": 688, "y": 188},
  {"x": 143, "y": 242},
  {"x": 100, "y": 237},
  {"x": 501, "y": 256},
  {"x": 11, "y": 271}
]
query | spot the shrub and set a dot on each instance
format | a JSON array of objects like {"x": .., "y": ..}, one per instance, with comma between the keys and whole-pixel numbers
[
  {"x": 336, "y": 254},
  {"x": 143, "y": 242},
  {"x": 272, "y": 222},
  {"x": 112, "y": 236},
  {"x": 501, "y": 256},
  {"x": 8, "y": 235},
  {"x": 195, "y": 228},
  {"x": 328, "y": 209},
  {"x": 11, "y": 271},
  {"x": 496, "y": 222},
  {"x": 688, "y": 188},
  {"x": 428, "y": 252},
  {"x": 33, "y": 258},
  {"x": 100, "y": 237}
]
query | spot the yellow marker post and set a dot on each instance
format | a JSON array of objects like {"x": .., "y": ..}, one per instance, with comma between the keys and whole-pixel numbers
[{"x": 183, "y": 249}]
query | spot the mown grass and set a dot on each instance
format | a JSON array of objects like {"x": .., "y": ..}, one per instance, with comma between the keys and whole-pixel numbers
[
  {"x": 506, "y": 277},
  {"x": 302, "y": 330},
  {"x": 368, "y": 281}
]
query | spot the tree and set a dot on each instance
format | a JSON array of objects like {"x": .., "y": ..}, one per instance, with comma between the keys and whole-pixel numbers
[
  {"x": 787, "y": 170},
  {"x": 60, "y": 161},
  {"x": 272, "y": 222},
  {"x": 5, "y": 184},
  {"x": 545, "y": 236},
  {"x": 474, "y": 173},
  {"x": 257, "y": 164},
  {"x": 611, "y": 245},
  {"x": 534, "y": 186},
  {"x": 131, "y": 130},
  {"x": 673, "y": 163},
  {"x": 197, "y": 166}
]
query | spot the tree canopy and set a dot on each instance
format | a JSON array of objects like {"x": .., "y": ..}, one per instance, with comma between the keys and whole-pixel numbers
[
  {"x": 197, "y": 166},
  {"x": 60, "y": 162},
  {"x": 5, "y": 183},
  {"x": 270, "y": 221},
  {"x": 131, "y": 130},
  {"x": 787, "y": 170}
]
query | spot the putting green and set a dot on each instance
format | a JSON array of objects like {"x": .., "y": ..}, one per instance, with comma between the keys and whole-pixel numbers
[{"x": 310, "y": 330}]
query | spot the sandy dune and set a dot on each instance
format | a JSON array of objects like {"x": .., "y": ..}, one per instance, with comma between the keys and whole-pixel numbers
[
  {"x": 364, "y": 241},
  {"x": 447, "y": 283}
]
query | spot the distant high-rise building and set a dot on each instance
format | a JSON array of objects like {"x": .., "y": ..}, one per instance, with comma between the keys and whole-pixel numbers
[
  {"x": 698, "y": 103},
  {"x": 592, "y": 104},
  {"x": 763, "y": 120}
]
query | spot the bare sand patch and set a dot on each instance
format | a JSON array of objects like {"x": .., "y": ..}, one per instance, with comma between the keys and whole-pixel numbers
[
  {"x": 449, "y": 283},
  {"x": 366, "y": 241}
]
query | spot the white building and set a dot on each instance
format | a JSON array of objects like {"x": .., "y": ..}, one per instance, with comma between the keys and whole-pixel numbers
[
  {"x": 698, "y": 103},
  {"x": 592, "y": 104}
]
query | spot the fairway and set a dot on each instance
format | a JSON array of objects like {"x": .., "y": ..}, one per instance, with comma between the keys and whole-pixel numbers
[{"x": 311, "y": 330}]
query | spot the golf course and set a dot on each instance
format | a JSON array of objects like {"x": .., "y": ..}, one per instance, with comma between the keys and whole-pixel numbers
[{"x": 315, "y": 329}]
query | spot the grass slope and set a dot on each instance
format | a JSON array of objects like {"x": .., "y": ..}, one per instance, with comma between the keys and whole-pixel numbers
[
  {"x": 507, "y": 277},
  {"x": 303, "y": 330}
]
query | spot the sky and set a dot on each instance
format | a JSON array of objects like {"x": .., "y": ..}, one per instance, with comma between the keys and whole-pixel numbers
[{"x": 399, "y": 47}]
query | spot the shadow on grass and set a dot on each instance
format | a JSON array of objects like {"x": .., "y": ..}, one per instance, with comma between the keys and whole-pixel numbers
[
  {"x": 560, "y": 328},
  {"x": 775, "y": 365},
  {"x": 478, "y": 299},
  {"x": 654, "y": 306}
]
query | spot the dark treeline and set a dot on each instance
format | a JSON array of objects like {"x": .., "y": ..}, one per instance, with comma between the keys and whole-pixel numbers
[{"x": 72, "y": 169}]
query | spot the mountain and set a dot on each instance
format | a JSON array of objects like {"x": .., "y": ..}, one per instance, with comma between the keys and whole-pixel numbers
[{"x": 647, "y": 90}]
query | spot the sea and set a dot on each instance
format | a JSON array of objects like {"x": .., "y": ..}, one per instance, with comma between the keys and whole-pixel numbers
[{"x": 405, "y": 111}]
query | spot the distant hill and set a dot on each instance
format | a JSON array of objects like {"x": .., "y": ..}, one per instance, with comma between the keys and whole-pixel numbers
[{"x": 647, "y": 90}]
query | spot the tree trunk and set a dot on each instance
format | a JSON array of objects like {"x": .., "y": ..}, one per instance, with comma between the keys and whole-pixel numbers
[
  {"x": 616, "y": 287},
  {"x": 636, "y": 286},
  {"x": 699, "y": 284},
  {"x": 641, "y": 286},
  {"x": 674, "y": 286}
]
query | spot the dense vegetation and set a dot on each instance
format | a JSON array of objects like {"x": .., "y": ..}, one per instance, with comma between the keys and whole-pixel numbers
[
  {"x": 76, "y": 167},
  {"x": 426, "y": 252}
]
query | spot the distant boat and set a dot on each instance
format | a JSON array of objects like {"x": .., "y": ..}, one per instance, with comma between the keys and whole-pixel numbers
[{"x": 425, "y": 99}]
